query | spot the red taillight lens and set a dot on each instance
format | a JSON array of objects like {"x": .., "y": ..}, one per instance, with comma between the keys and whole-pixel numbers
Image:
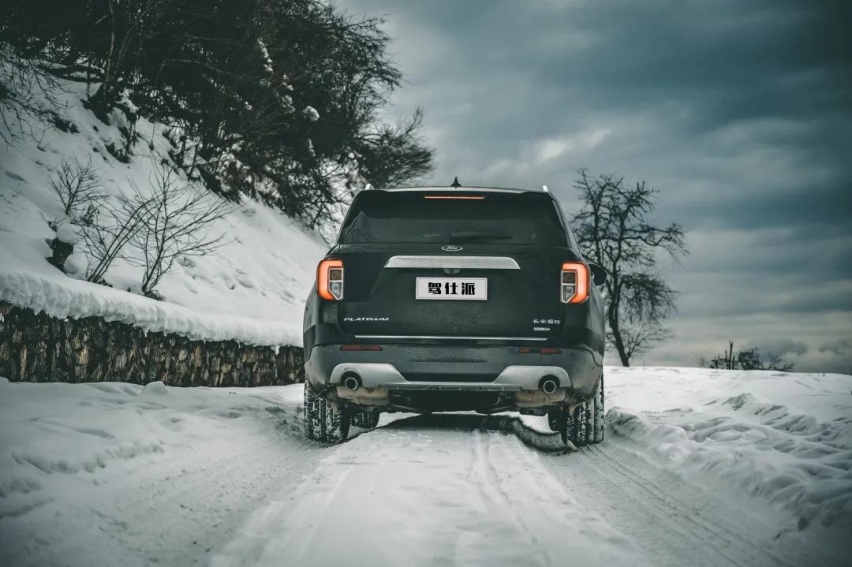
[
  {"x": 574, "y": 282},
  {"x": 330, "y": 279},
  {"x": 351, "y": 348},
  {"x": 537, "y": 350}
]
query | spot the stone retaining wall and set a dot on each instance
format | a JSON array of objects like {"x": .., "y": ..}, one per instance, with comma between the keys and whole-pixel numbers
[{"x": 35, "y": 347}]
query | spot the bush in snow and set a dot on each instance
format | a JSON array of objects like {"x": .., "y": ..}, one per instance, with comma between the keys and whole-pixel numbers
[
  {"x": 110, "y": 231},
  {"x": 174, "y": 222},
  {"x": 62, "y": 245},
  {"x": 79, "y": 190},
  {"x": 91, "y": 219},
  {"x": 746, "y": 359}
]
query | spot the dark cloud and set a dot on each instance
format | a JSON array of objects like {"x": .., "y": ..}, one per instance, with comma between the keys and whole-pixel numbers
[
  {"x": 739, "y": 113},
  {"x": 780, "y": 347},
  {"x": 840, "y": 347}
]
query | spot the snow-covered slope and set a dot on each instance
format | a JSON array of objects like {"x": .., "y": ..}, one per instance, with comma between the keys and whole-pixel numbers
[
  {"x": 699, "y": 467},
  {"x": 252, "y": 289}
]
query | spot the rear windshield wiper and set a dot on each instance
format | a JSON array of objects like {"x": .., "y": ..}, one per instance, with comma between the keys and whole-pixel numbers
[{"x": 472, "y": 235}]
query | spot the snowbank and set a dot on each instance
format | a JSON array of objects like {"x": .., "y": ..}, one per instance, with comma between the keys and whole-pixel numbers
[
  {"x": 782, "y": 437},
  {"x": 114, "y": 473},
  {"x": 251, "y": 290}
]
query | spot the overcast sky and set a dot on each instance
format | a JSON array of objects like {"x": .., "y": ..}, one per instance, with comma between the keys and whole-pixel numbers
[{"x": 738, "y": 112}]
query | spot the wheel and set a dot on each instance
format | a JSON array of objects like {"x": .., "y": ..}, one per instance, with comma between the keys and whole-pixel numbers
[
  {"x": 365, "y": 419},
  {"x": 579, "y": 423},
  {"x": 599, "y": 417},
  {"x": 563, "y": 424},
  {"x": 311, "y": 414},
  {"x": 553, "y": 419},
  {"x": 373, "y": 421},
  {"x": 323, "y": 420}
]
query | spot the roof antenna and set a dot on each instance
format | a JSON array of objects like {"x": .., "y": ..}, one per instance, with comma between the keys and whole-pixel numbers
[
  {"x": 544, "y": 188},
  {"x": 455, "y": 183}
]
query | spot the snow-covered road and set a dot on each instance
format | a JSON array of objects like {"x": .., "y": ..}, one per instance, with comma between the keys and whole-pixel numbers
[
  {"x": 428, "y": 495},
  {"x": 117, "y": 474}
]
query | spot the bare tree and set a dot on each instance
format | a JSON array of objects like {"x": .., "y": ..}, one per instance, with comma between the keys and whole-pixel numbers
[
  {"x": 776, "y": 361},
  {"x": 21, "y": 80},
  {"x": 746, "y": 359},
  {"x": 174, "y": 224},
  {"x": 111, "y": 230},
  {"x": 613, "y": 231},
  {"x": 105, "y": 228},
  {"x": 79, "y": 190}
]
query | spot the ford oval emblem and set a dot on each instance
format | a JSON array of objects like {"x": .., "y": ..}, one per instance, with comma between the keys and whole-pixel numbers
[{"x": 451, "y": 248}]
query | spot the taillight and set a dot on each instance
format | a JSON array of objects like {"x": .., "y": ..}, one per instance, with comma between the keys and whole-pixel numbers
[
  {"x": 574, "y": 280},
  {"x": 330, "y": 279},
  {"x": 537, "y": 350}
]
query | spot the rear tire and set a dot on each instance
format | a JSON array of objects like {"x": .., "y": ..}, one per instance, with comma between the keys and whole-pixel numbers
[
  {"x": 366, "y": 419},
  {"x": 563, "y": 423},
  {"x": 323, "y": 420},
  {"x": 599, "y": 414},
  {"x": 553, "y": 419},
  {"x": 579, "y": 422},
  {"x": 373, "y": 422},
  {"x": 586, "y": 424},
  {"x": 311, "y": 414}
]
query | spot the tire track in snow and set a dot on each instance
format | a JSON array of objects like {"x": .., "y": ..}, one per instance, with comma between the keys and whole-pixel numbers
[
  {"x": 437, "y": 494},
  {"x": 680, "y": 523},
  {"x": 668, "y": 502},
  {"x": 497, "y": 499}
]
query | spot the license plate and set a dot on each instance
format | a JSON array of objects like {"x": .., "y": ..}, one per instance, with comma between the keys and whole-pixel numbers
[{"x": 470, "y": 289}]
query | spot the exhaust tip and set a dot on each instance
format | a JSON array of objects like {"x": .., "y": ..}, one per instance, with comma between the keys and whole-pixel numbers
[
  {"x": 352, "y": 381},
  {"x": 548, "y": 384}
]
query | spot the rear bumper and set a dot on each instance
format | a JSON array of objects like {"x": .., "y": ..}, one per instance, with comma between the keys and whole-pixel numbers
[{"x": 447, "y": 368}]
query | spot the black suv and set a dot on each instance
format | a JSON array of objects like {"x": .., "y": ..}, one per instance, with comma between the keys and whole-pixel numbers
[{"x": 454, "y": 299}]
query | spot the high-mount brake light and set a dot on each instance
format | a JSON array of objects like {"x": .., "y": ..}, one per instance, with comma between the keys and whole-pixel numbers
[
  {"x": 330, "y": 279},
  {"x": 574, "y": 283},
  {"x": 456, "y": 197}
]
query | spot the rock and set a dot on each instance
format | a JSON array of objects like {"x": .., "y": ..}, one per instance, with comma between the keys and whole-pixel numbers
[{"x": 37, "y": 348}]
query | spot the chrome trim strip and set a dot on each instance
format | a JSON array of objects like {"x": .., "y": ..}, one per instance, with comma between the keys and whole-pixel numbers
[
  {"x": 511, "y": 379},
  {"x": 454, "y": 262},
  {"x": 427, "y": 337}
]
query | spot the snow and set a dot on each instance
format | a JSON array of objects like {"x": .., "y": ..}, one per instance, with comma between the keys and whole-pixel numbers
[
  {"x": 699, "y": 467},
  {"x": 785, "y": 438},
  {"x": 311, "y": 113},
  {"x": 69, "y": 233},
  {"x": 251, "y": 290}
]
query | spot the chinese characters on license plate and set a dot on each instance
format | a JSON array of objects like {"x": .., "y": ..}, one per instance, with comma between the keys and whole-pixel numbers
[{"x": 472, "y": 289}]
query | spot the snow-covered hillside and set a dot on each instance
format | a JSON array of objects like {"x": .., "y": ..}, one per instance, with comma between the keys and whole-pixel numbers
[
  {"x": 252, "y": 289},
  {"x": 700, "y": 467}
]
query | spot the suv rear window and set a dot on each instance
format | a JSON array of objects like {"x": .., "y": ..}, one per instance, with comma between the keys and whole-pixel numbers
[{"x": 423, "y": 217}]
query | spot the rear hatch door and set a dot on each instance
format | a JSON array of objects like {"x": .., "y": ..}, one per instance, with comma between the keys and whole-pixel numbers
[{"x": 419, "y": 267}]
